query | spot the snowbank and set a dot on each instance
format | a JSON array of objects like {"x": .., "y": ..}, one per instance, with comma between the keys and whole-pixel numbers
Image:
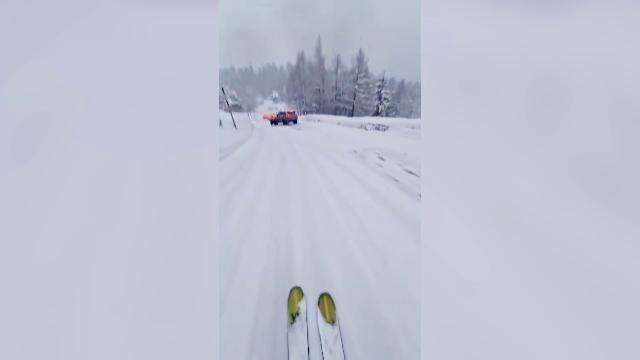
[{"x": 369, "y": 123}]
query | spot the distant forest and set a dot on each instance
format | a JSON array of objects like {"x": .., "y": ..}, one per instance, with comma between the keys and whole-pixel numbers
[{"x": 313, "y": 86}]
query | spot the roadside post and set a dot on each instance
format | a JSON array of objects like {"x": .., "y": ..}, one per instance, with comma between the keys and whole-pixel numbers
[{"x": 229, "y": 108}]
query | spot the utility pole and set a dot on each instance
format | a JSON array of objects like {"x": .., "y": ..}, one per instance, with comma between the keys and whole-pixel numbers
[{"x": 229, "y": 108}]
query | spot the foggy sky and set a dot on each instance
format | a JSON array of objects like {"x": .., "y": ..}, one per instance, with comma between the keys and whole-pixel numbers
[{"x": 261, "y": 31}]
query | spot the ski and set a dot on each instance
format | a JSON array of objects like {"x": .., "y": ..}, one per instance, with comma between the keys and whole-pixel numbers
[
  {"x": 329, "y": 329},
  {"x": 297, "y": 331}
]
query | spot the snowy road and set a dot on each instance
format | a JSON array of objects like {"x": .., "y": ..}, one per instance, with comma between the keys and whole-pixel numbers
[{"x": 329, "y": 208}]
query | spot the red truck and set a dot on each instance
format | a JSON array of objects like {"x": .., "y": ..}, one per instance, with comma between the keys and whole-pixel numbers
[{"x": 284, "y": 117}]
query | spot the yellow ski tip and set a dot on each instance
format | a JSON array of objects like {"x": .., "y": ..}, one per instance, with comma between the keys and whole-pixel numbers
[
  {"x": 293, "y": 309},
  {"x": 327, "y": 308}
]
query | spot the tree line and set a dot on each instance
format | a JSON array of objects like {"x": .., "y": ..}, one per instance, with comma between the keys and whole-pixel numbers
[{"x": 314, "y": 86}]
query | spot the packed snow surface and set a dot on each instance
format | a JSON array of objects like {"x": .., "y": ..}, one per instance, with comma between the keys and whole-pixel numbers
[{"x": 327, "y": 207}]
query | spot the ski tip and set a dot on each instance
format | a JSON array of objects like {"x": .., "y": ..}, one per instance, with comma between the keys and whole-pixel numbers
[
  {"x": 327, "y": 308},
  {"x": 293, "y": 303}
]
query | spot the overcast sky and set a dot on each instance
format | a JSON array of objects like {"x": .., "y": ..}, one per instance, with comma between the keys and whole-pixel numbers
[{"x": 260, "y": 31}]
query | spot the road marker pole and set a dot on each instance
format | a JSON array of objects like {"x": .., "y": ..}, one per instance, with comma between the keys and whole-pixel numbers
[{"x": 229, "y": 108}]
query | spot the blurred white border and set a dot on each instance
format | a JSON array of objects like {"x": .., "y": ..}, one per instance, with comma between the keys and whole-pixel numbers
[{"x": 531, "y": 208}]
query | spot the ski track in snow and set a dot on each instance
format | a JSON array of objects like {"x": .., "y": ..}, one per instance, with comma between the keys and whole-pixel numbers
[{"x": 298, "y": 208}]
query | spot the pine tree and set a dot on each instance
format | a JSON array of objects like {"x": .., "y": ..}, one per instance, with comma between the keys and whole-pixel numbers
[
  {"x": 382, "y": 97},
  {"x": 310, "y": 87},
  {"x": 399, "y": 99},
  {"x": 361, "y": 84},
  {"x": 320, "y": 78},
  {"x": 415, "y": 111},
  {"x": 337, "y": 99},
  {"x": 297, "y": 86},
  {"x": 391, "y": 110}
]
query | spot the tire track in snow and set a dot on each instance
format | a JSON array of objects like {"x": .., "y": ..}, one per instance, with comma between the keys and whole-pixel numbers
[
  {"x": 399, "y": 234},
  {"x": 240, "y": 214},
  {"x": 254, "y": 256},
  {"x": 352, "y": 237},
  {"x": 341, "y": 176},
  {"x": 275, "y": 274},
  {"x": 373, "y": 243}
]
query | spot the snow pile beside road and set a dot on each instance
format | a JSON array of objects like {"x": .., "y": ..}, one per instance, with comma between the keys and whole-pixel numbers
[
  {"x": 402, "y": 168},
  {"x": 369, "y": 123}
]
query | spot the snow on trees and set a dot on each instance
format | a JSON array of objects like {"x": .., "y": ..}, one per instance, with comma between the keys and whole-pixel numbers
[
  {"x": 297, "y": 86},
  {"x": 320, "y": 79},
  {"x": 398, "y": 99},
  {"x": 382, "y": 97},
  {"x": 339, "y": 102},
  {"x": 360, "y": 85},
  {"x": 405, "y": 100},
  {"x": 252, "y": 83},
  {"x": 415, "y": 100},
  {"x": 312, "y": 86},
  {"x": 232, "y": 97}
]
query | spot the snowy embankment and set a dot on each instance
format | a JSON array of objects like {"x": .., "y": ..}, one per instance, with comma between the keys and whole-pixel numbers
[
  {"x": 388, "y": 146},
  {"x": 369, "y": 123}
]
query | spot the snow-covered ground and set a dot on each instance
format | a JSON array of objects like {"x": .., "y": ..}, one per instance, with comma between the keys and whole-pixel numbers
[
  {"x": 232, "y": 136},
  {"x": 329, "y": 208},
  {"x": 407, "y": 127}
]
